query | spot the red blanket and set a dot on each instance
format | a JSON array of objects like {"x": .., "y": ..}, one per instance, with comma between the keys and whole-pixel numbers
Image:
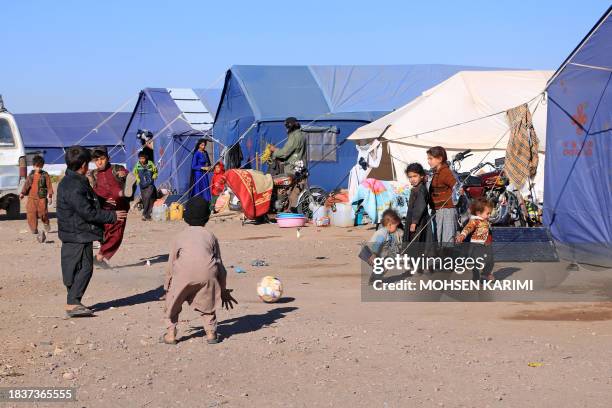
[{"x": 253, "y": 189}]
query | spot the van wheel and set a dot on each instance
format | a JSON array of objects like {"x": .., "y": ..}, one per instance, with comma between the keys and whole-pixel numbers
[{"x": 13, "y": 207}]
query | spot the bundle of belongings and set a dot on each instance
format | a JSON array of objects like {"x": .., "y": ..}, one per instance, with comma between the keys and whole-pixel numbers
[
  {"x": 338, "y": 196},
  {"x": 253, "y": 189},
  {"x": 375, "y": 196}
]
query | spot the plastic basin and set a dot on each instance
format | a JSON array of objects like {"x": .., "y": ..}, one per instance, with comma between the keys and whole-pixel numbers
[
  {"x": 289, "y": 215},
  {"x": 289, "y": 222}
]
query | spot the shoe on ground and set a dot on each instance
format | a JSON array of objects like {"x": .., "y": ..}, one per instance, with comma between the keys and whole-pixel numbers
[
  {"x": 101, "y": 264},
  {"x": 79, "y": 311},
  {"x": 41, "y": 237}
]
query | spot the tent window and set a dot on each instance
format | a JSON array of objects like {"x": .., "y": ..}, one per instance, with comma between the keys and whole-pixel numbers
[
  {"x": 322, "y": 144},
  {"x": 6, "y": 135}
]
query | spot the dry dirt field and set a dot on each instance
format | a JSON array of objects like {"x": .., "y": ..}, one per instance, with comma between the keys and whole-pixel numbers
[{"x": 320, "y": 346}]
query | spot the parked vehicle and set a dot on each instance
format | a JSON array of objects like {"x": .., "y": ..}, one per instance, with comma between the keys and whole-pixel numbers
[
  {"x": 13, "y": 164},
  {"x": 492, "y": 185},
  {"x": 311, "y": 197}
]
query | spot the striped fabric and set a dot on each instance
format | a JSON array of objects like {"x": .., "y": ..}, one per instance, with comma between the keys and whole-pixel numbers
[{"x": 522, "y": 150}]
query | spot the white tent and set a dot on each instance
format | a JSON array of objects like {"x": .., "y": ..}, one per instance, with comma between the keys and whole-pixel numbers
[{"x": 467, "y": 111}]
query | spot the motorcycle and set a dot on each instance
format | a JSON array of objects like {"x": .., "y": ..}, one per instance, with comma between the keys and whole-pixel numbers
[
  {"x": 310, "y": 198},
  {"x": 492, "y": 185}
]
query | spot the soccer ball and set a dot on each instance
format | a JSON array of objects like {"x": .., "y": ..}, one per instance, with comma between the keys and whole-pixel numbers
[{"x": 270, "y": 289}]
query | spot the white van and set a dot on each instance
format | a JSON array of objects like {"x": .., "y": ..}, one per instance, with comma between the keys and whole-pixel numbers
[{"x": 13, "y": 166}]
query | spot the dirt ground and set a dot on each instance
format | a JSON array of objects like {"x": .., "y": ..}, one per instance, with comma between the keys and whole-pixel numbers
[{"x": 319, "y": 346}]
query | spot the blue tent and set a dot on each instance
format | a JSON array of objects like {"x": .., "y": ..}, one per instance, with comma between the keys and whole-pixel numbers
[
  {"x": 332, "y": 100},
  {"x": 578, "y": 179},
  {"x": 50, "y": 133},
  {"x": 177, "y": 118}
]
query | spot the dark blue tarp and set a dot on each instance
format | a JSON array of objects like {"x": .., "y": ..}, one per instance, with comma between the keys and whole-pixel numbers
[
  {"x": 50, "y": 133},
  {"x": 578, "y": 171},
  {"x": 174, "y": 141},
  {"x": 346, "y": 97}
]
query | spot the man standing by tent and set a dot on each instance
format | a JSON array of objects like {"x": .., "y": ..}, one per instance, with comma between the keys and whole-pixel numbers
[{"x": 293, "y": 154}]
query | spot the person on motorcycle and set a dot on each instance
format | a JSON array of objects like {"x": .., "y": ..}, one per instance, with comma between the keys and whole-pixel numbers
[{"x": 293, "y": 155}]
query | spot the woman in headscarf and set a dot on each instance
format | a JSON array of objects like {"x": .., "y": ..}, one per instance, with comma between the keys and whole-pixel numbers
[{"x": 200, "y": 169}]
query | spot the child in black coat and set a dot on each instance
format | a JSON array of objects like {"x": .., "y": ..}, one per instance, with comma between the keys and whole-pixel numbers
[{"x": 418, "y": 226}]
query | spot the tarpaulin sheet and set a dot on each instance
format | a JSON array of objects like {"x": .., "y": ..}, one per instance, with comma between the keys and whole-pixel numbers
[
  {"x": 174, "y": 138},
  {"x": 346, "y": 97},
  {"x": 51, "y": 132},
  {"x": 578, "y": 178}
]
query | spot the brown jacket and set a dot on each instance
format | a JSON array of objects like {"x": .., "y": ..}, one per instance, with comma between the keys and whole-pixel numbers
[
  {"x": 30, "y": 187},
  {"x": 442, "y": 184},
  {"x": 479, "y": 229}
]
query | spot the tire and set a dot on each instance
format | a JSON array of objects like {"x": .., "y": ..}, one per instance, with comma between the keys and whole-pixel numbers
[
  {"x": 13, "y": 208},
  {"x": 315, "y": 195}
]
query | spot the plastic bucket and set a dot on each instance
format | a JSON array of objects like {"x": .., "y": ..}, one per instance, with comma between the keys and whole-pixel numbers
[
  {"x": 320, "y": 216},
  {"x": 342, "y": 216},
  {"x": 160, "y": 213}
]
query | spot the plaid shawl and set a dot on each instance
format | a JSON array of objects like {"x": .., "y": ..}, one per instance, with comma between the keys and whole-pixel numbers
[{"x": 522, "y": 150}]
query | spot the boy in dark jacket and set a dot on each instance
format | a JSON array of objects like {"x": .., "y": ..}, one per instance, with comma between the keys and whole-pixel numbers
[{"x": 80, "y": 221}]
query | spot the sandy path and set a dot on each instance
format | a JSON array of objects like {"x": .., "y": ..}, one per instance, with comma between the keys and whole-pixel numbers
[{"x": 320, "y": 347}]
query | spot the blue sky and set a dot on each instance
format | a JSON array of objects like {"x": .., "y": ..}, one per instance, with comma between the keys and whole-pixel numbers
[{"x": 64, "y": 55}]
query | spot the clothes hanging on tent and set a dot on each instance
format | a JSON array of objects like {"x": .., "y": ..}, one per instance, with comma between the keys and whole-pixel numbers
[
  {"x": 467, "y": 111},
  {"x": 376, "y": 196},
  {"x": 368, "y": 157},
  {"x": 234, "y": 157},
  {"x": 522, "y": 150}
]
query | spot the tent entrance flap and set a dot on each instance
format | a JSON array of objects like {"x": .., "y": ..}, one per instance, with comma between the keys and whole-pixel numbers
[{"x": 385, "y": 170}]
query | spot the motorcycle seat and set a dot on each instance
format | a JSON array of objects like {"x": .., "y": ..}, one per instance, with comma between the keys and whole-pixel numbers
[{"x": 471, "y": 181}]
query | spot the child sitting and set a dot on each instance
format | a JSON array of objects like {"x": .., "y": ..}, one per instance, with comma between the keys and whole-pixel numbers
[
  {"x": 195, "y": 273},
  {"x": 387, "y": 240},
  {"x": 218, "y": 183},
  {"x": 146, "y": 173},
  {"x": 479, "y": 231},
  {"x": 39, "y": 190}
]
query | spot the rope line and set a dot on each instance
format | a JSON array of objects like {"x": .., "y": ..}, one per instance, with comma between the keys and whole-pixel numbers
[
  {"x": 450, "y": 126},
  {"x": 98, "y": 126}
]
